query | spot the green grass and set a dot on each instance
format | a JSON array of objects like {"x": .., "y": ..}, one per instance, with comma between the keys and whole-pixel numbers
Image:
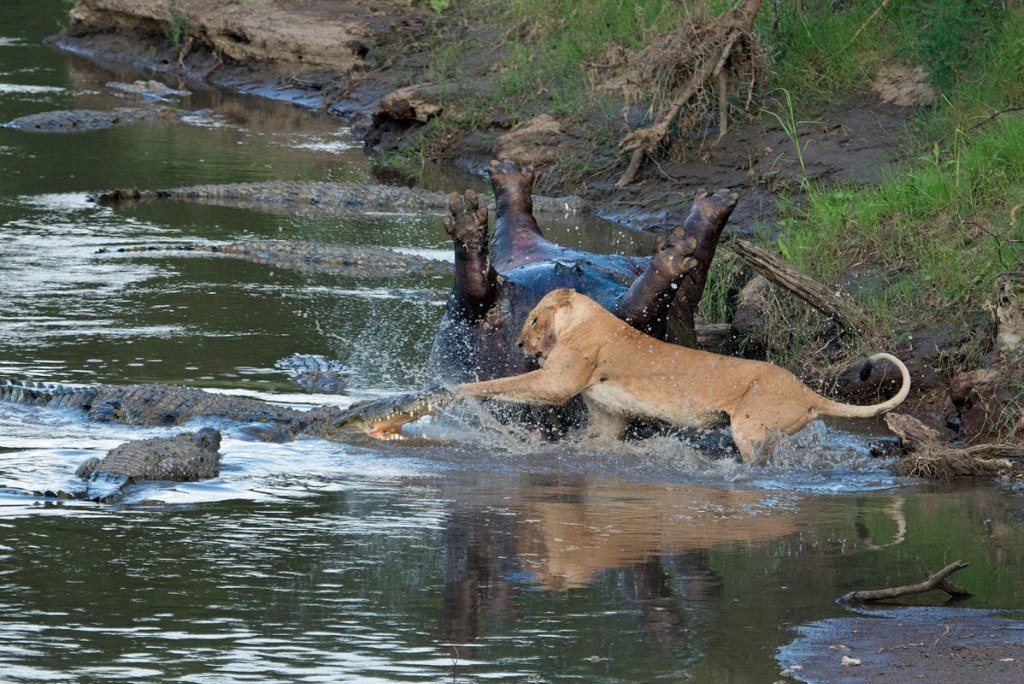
[
  {"x": 939, "y": 230},
  {"x": 177, "y": 28},
  {"x": 823, "y": 53}
]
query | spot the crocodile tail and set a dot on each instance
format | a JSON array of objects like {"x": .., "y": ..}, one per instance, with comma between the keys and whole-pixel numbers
[{"x": 107, "y": 487}]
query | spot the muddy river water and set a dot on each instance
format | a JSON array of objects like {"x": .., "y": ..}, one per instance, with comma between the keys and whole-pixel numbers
[{"x": 487, "y": 557}]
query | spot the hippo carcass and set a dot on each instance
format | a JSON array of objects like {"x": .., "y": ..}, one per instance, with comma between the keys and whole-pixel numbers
[{"x": 498, "y": 282}]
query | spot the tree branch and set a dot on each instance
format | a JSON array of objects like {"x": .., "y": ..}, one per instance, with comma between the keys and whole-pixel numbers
[
  {"x": 937, "y": 581},
  {"x": 814, "y": 293}
]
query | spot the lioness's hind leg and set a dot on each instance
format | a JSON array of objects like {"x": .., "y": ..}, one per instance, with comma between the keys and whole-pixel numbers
[{"x": 753, "y": 442}]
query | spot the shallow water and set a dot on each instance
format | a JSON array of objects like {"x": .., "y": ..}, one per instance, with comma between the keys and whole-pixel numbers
[{"x": 471, "y": 554}]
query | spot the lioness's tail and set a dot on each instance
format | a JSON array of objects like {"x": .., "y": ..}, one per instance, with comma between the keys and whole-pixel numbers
[{"x": 835, "y": 408}]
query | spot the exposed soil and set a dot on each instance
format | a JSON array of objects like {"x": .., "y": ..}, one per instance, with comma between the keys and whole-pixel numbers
[
  {"x": 908, "y": 644},
  {"x": 351, "y": 57}
]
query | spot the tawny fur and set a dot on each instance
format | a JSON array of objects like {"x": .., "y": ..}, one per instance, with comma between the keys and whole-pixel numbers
[{"x": 623, "y": 373}]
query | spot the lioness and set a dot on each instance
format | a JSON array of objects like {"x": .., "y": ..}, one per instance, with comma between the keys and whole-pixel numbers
[{"x": 623, "y": 373}]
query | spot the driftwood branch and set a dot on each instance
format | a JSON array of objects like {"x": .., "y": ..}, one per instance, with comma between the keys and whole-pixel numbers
[
  {"x": 937, "y": 581},
  {"x": 844, "y": 311},
  {"x": 928, "y": 456}
]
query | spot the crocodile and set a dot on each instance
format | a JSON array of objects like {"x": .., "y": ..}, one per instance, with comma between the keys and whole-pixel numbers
[
  {"x": 148, "y": 404},
  {"x": 314, "y": 372},
  {"x": 311, "y": 257},
  {"x": 319, "y": 196},
  {"x": 148, "y": 90},
  {"x": 184, "y": 457},
  {"x": 74, "y": 120},
  {"x": 383, "y": 418},
  {"x": 171, "y": 405}
]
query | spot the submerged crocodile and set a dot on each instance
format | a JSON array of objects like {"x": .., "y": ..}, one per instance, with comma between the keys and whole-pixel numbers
[
  {"x": 184, "y": 457},
  {"x": 313, "y": 257},
  {"x": 73, "y": 120},
  {"x": 315, "y": 373},
  {"x": 146, "y": 404},
  {"x": 320, "y": 196}
]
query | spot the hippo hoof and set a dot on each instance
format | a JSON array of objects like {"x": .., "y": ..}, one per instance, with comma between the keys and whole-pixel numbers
[
  {"x": 716, "y": 206},
  {"x": 507, "y": 177},
  {"x": 467, "y": 219},
  {"x": 673, "y": 253}
]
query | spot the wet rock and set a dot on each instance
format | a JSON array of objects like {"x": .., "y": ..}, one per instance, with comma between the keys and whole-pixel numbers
[
  {"x": 748, "y": 319},
  {"x": 535, "y": 142},
  {"x": 883, "y": 381},
  {"x": 903, "y": 86},
  {"x": 864, "y": 282},
  {"x": 411, "y": 104},
  {"x": 749, "y": 314},
  {"x": 984, "y": 399},
  {"x": 1009, "y": 309}
]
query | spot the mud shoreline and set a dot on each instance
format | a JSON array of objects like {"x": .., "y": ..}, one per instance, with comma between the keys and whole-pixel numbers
[{"x": 347, "y": 58}]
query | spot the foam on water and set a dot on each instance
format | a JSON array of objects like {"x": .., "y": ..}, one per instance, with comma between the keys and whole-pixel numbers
[
  {"x": 21, "y": 89},
  {"x": 818, "y": 459}
]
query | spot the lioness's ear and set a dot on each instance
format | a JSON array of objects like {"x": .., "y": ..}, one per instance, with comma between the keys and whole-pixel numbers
[{"x": 564, "y": 296}]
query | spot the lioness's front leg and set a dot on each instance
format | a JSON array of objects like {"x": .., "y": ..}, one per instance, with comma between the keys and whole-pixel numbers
[{"x": 540, "y": 387}]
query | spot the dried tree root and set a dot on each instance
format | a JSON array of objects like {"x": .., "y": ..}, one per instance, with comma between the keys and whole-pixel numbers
[
  {"x": 730, "y": 36},
  {"x": 845, "y": 312},
  {"x": 936, "y": 581},
  {"x": 929, "y": 457}
]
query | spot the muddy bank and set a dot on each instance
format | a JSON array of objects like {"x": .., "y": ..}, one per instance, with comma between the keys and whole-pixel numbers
[
  {"x": 365, "y": 63},
  {"x": 315, "y": 53}
]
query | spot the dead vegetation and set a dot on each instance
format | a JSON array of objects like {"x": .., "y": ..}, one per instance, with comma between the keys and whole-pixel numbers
[
  {"x": 930, "y": 457},
  {"x": 688, "y": 74},
  {"x": 938, "y": 580}
]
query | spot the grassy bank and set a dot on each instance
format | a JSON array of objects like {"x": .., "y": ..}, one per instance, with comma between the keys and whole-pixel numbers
[{"x": 940, "y": 230}]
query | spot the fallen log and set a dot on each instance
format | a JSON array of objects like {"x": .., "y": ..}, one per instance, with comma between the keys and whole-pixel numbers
[
  {"x": 939, "y": 580},
  {"x": 844, "y": 311}
]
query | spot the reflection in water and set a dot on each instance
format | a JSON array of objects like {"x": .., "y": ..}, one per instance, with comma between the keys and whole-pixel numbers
[{"x": 570, "y": 534}]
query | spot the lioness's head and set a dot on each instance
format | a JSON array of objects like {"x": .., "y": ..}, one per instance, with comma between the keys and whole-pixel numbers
[{"x": 545, "y": 321}]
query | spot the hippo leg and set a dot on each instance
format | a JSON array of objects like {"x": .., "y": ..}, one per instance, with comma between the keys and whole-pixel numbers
[
  {"x": 476, "y": 282},
  {"x": 675, "y": 276},
  {"x": 517, "y": 237}
]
